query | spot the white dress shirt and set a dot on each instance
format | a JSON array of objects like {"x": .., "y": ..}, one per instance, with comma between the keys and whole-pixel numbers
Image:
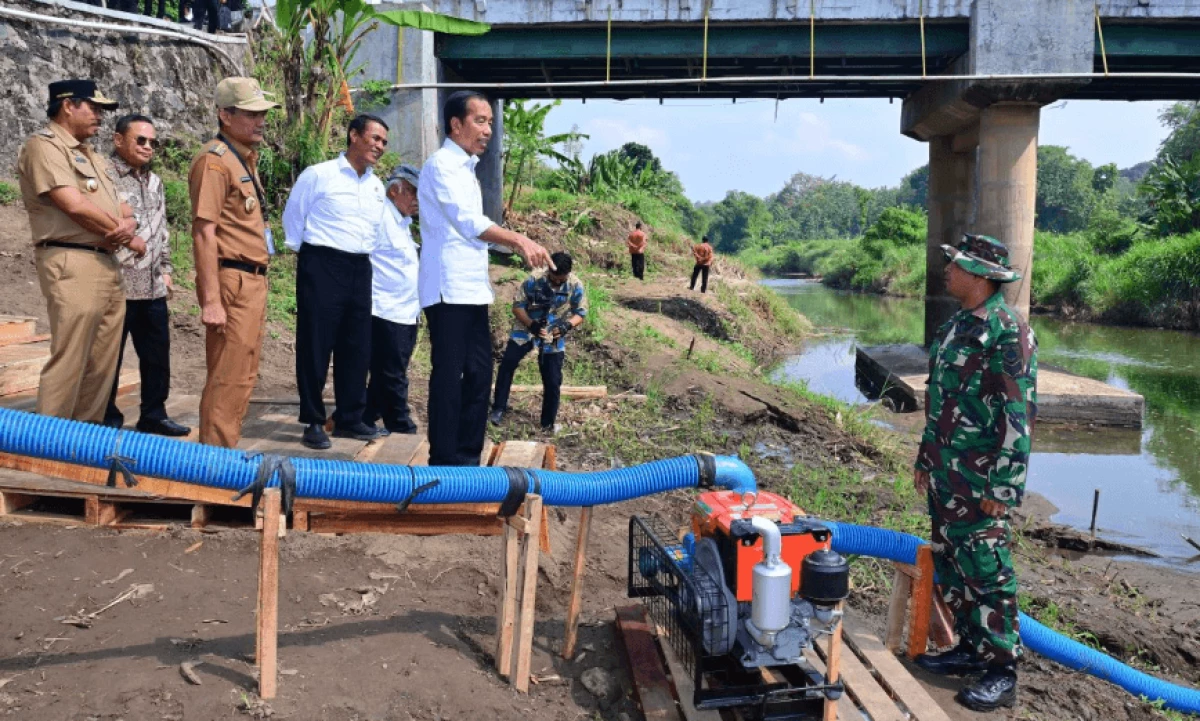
[
  {"x": 394, "y": 270},
  {"x": 332, "y": 205},
  {"x": 454, "y": 261}
]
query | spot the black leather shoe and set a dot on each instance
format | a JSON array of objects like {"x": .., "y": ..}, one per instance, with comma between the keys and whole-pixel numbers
[
  {"x": 997, "y": 689},
  {"x": 407, "y": 429},
  {"x": 359, "y": 431},
  {"x": 958, "y": 661},
  {"x": 113, "y": 421},
  {"x": 496, "y": 417},
  {"x": 315, "y": 437},
  {"x": 166, "y": 427}
]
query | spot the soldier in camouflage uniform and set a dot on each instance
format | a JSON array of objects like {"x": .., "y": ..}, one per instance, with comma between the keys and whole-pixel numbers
[{"x": 980, "y": 410}]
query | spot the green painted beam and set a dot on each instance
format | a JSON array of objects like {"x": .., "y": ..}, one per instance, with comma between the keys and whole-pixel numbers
[
  {"x": 1159, "y": 40},
  {"x": 748, "y": 41}
]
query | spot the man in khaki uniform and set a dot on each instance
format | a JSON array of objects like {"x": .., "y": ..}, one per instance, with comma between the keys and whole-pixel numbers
[
  {"x": 78, "y": 221},
  {"x": 232, "y": 249}
]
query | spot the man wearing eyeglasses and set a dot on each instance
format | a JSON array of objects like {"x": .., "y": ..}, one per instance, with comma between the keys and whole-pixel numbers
[
  {"x": 147, "y": 277},
  {"x": 77, "y": 221},
  {"x": 232, "y": 246}
]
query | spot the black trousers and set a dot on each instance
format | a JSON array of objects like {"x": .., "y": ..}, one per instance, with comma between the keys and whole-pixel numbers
[
  {"x": 204, "y": 17},
  {"x": 149, "y": 324},
  {"x": 149, "y": 8},
  {"x": 387, "y": 395},
  {"x": 550, "y": 366},
  {"x": 461, "y": 352},
  {"x": 333, "y": 317},
  {"x": 696, "y": 271},
  {"x": 638, "y": 260}
]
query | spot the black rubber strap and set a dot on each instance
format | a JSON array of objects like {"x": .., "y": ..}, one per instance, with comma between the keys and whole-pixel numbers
[
  {"x": 708, "y": 469},
  {"x": 402, "y": 506},
  {"x": 118, "y": 463},
  {"x": 518, "y": 486},
  {"x": 270, "y": 466}
]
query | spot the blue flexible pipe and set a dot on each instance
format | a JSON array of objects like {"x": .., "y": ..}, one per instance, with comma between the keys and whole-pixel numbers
[
  {"x": 157, "y": 457},
  {"x": 850, "y": 539}
]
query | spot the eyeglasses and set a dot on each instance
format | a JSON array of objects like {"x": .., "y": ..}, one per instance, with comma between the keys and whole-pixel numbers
[{"x": 143, "y": 141}]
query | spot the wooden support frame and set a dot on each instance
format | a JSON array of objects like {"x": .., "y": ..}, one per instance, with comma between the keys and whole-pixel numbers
[
  {"x": 267, "y": 621},
  {"x": 514, "y": 646},
  {"x": 833, "y": 663},
  {"x": 576, "y": 602},
  {"x": 912, "y": 601}
]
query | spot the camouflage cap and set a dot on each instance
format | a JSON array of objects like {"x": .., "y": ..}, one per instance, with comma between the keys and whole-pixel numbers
[{"x": 984, "y": 256}]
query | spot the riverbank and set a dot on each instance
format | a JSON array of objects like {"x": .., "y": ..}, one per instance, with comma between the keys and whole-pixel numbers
[
  {"x": 1148, "y": 282},
  {"x": 685, "y": 372}
]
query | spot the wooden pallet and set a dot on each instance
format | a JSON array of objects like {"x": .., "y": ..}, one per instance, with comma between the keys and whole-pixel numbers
[{"x": 878, "y": 686}]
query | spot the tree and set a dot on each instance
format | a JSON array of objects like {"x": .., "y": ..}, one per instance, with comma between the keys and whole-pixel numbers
[
  {"x": 1065, "y": 195},
  {"x": 1183, "y": 141},
  {"x": 525, "y": 141},
  {"x": 738, "y": 221},
  {"x": 914, "y": 189},
  {"x": 642, "y": 156}
]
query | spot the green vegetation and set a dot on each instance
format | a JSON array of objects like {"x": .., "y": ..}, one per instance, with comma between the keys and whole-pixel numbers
[{"x": 9, "y": 193}]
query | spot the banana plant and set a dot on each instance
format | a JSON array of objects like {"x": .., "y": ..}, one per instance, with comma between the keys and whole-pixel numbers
[
  {"x": 317, "y": 65},
  {"x": 525, "y": 141}
]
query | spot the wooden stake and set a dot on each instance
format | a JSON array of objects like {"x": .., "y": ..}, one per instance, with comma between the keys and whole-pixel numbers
[
  {"x": 922, "y": 604},
  {"x": 529, "y": 571},
  {"x": 1095, "y": 508},
  {"x": 576, "y": 603},
  {"x": 833, "y": 663},
  {"x": 691, "y": 347},
  {"x": 506, "y": 615},
  {"x": 901, "y": 590},
  {"x": 268, "y": 596}
]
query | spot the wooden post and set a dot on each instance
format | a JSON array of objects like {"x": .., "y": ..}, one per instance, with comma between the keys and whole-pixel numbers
[
  {"x": 833, "y": 663},
  {"x": 941, "y": 629},
  {"x": 573, "y": 608},
  {"x": 268, "y": 596},
  {"x": 922, "y": 603},
  {"x": 506, "y": 615},
  {"x": 523, "y": 634},
  {"x": 897, "y": 606}
]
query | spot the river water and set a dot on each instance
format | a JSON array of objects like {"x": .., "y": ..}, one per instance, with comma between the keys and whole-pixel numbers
[{"x": 1149, "y": 480}]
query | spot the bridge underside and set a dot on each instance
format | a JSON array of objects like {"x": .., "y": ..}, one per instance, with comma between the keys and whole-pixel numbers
[{"x": 580, "y": 53}]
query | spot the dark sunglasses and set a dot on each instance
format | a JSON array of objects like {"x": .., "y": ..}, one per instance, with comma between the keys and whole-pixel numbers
[{"x": 143, "y": 141}]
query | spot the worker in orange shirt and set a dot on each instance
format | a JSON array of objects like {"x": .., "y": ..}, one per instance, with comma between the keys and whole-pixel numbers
[
  {"x": 703, "y": 253},
  {"x": 636, "y": 242}
]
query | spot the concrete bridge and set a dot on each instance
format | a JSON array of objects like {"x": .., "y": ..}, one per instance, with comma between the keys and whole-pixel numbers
[{"x": 972, "y": 74}]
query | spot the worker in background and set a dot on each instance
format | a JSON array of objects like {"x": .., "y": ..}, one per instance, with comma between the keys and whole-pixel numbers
[
  {"x": 78, "y": 221},
  {"x": 332, "y": 221},
  {"x": 980, "y": 408},
  {"x": 395, "y": 306},
  {"x": 453, "y": 281},
  {"x": 703, "y": 253},
  {"x": 147, "y": 277},
  {"x": 636, "y": 243},
  {"x": 232, "y": 248},
  {"x": 552, "y": 303}
]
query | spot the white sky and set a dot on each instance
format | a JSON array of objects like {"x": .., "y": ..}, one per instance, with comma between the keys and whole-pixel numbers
[{"x": 716, "y": 146}]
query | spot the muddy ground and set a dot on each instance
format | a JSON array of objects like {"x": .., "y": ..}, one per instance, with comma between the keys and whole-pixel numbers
[{"x": 382, "y": 627}]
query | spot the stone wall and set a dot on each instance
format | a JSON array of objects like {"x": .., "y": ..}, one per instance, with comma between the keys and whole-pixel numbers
[{"x": 171, "y": 80}]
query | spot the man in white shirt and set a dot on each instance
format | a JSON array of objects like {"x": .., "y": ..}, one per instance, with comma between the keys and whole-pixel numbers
[
  {"x": 332, "y": 220},
  {"x": 454, "y": 287},
  {"x": 395, "y": 306}
]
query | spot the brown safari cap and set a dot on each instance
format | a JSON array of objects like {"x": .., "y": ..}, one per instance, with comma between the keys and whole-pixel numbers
[{"x": 243, "y": 94}]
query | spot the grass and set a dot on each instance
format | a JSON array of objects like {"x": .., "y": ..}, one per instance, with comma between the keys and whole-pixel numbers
[{"x": 9, "y": 193}]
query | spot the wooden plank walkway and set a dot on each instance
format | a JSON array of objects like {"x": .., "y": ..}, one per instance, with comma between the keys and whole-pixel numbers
[
  {"x": 34, "y": 489},
  {"x": 878, "y": 686}
]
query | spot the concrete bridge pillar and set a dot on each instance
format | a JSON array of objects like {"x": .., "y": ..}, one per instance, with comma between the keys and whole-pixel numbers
[
  {"x": 490, "y": 170},
  {"x": 952, "y": 166},
  {"x": 1008, "y": 188}
]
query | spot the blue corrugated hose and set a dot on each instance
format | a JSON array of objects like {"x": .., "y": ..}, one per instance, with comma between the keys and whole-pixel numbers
[
  {"x": 154, "y": 456},
  {"x": 96, "y": 446},
  {"x": 902, "y": 547}
]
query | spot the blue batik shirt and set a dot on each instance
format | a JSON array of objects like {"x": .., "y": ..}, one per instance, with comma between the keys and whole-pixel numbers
[{"x": 544, "y": 302}]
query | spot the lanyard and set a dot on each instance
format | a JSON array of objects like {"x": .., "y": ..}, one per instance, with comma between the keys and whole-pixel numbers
[{"x": 262, "y": 196}]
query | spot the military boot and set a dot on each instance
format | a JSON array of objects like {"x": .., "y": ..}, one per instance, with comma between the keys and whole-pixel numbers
[
  {"x": 957, "y": 661},
  {"x": 997, "y": 688}
]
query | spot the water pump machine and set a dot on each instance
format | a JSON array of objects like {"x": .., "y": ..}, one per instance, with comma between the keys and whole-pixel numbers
[{"x": 740, "y": 597}]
